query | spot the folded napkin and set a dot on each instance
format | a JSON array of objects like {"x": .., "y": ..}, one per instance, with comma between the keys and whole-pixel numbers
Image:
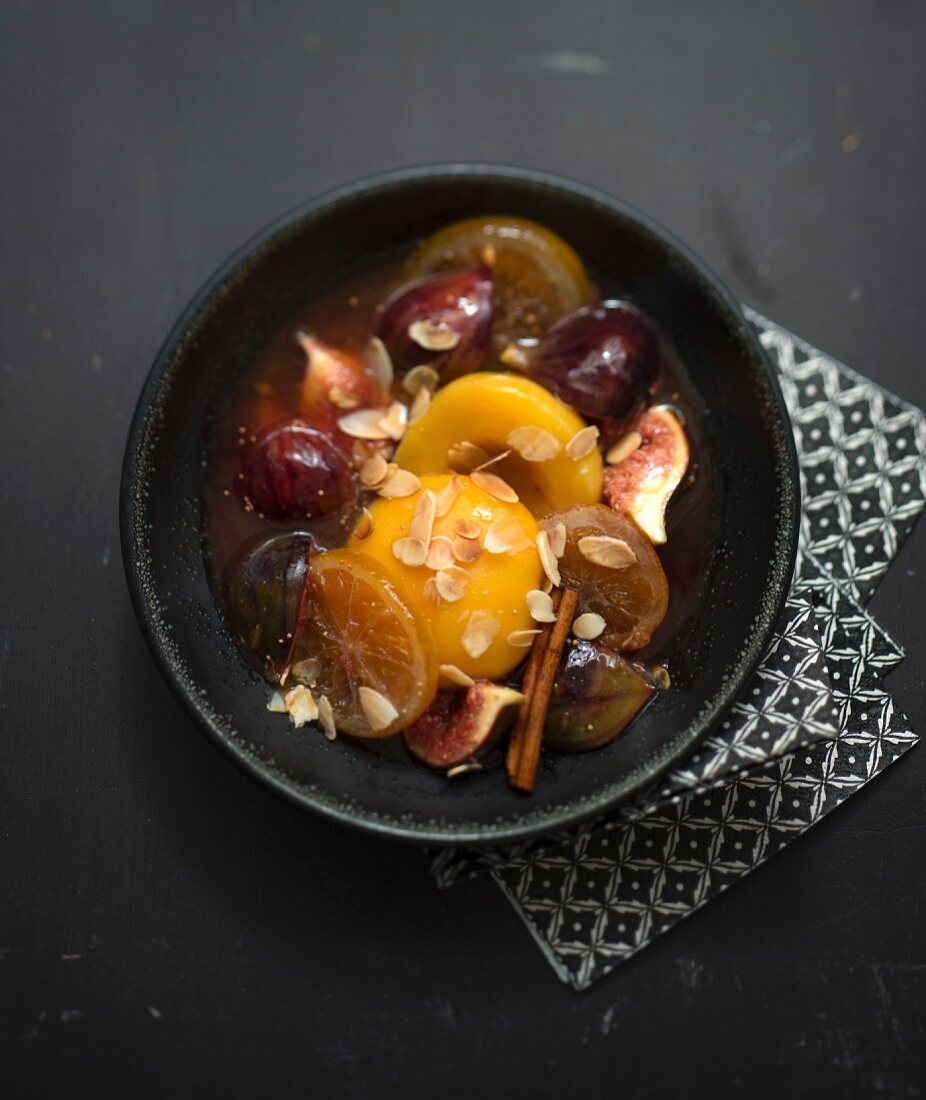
[{"x": 811, "y": 727}]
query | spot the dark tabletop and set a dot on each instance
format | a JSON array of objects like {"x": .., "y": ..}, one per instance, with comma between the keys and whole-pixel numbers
[{"x": 168, "y": 927}]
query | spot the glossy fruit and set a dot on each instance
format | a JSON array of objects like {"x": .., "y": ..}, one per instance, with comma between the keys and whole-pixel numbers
[
  {"x": 641, "y": 484},
  {"x": 632, "y": 600},
  {"x": 457, "y": 726},
  {"x": 494, "y": 585},
  {"x": 595, "y": 695},
  {"x": 603, "y": 361},
  {"x": 262, "y": 585},
  {"x": 484, "y": 409},
  {"x": 444, "y": 321},
  {"x": 538, "y": 277},
  {"x": 293, "y": 471},
  {"x": 365, "y": 636}
]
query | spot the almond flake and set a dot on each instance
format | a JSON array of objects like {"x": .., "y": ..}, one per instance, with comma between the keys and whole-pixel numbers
[
  {"x": 583, "y": 443},
  {"x": 604, "y": 550},
  {"x": 433, "y": 337},
  {"x": 395, "y": 421},
  {"x": 588, "y": 626},
  {"x": 456, "y": 676},
  {"x": 410, "y": 551},
  {"x": 402, "y": 483},
  {"x": 420, "y": 378},
  {"x": 491, "y": 461},
  {"x": 422, "y": 521},
  {"x": 341, "y": 398},
  {"x": 480, "y": 632},
  {"x": 419, "y": 405},
  {"x": 447, "y": 496},
  {"x": 364, "y": 527},
  {"x": 380, "y": 363},
  {"x": 379, "y": 711},
  {"x": 557, "y": 539},
  {"x": 623, "y": 448},
  {"x": 464, "y": 769},
  {"x": 495, "y": 486},
  {"x": 540, "y": 605},
  {"x": 448, "y": 587},
  {"x": 465, "y": 455},
  {"x": 306, "y": 672},
  {"x": 506, "y": 537},
  {"x": 547, "y": 585},
  {"x": 276, "y": 704},
  {"x": 467, "y": 550},
  {"x": 548, "y": 559},
  {"x": 373, "y": 471},
  {"x": 467, "y": 527},
  {"x": 522, "y": 639},
  {"x": 300, "y": 706},
  {"x": 326, "y": 717},
  {"x": 440, "y": 553},
  {"x": 429, "y": 590},
  {"x": 534, "y": 444},
  {"x": 364, "y": 424}
]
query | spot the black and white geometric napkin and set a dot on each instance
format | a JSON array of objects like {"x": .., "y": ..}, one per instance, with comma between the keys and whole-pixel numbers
[{"x": 600, "y": 892}]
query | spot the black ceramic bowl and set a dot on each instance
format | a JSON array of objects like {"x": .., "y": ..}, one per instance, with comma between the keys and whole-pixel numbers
[{"x": 738, "y": 596}]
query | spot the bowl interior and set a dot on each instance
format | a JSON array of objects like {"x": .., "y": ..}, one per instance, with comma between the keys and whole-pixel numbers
[{"x": 743, "y": 577}]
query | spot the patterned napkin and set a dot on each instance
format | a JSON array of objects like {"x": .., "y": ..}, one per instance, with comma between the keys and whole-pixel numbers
[{"x": 811, "y": 727}]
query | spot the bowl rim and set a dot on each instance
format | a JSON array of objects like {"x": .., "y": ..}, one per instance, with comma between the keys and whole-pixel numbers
[{"x": 781, "y": 571}]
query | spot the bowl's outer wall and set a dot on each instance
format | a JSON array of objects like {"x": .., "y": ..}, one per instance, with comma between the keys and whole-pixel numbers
[{"x": 216, "y": 340}]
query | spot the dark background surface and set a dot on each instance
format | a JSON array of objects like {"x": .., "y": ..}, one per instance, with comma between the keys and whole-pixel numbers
[{"x": 167, "y": 927}]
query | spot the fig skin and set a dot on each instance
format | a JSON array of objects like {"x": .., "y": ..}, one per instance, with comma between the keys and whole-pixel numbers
[
  {"x": 596, "y": 694},
  {"x": 295, "y": 472},
  {"x": 456, "y": 727},
  {"x": 602, "y": 360}
]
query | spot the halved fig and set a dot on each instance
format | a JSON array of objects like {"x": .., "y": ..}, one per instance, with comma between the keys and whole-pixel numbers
[
  {"x": 456, "y": 727},
  {"x": 443, "y": 321},
  {"x": 615, "y": 569},
  {"x": 336, "y": 381},
  {"x": 596, "y": 693},
  {"x": 641, "y": 484}
]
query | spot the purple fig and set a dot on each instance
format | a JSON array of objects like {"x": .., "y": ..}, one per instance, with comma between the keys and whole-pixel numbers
[{"x": 455, "y": 727}]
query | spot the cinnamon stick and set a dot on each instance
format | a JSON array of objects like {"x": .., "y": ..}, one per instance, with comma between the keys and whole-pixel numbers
[
  {"x": 538, "y": 701},
  {"x": 528, "y": 684}
]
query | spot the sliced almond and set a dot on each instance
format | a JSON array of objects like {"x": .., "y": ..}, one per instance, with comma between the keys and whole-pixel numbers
[
  {"x": 468, "y": 528},
  {"x": 380, "y": 364},
  {"x": 343, "y": 399},
  {"x": 395, "y": 421},
  {"x": 607, "y": 551},
  {"x": 429, "y": 590},
  {"x": 534, "y": 444},
  {"x": 420, "y": 378},
  {"x": 507, "y": 536},
  {"x": 448, "y": 586},
  {"x": 465, "y": 455},
  {"x": 410, "y": 551},
  {"x": 522, "y": 639},
  {"x": 547, "y": 585},
  {"x": 364, "y": 527},
  {"x": 540, "y": 605},
  {"x": 326, "y": 717},
  {"x": 433, "y": 337},
  {"x": 454, "y": 675},
  {"x": 276, "y": 704},
  {"x": 364, "y": 424},
  {"x": 464, "y": 769},
  {"x": 373, "y": 471},
  {"x": 440, "y": 553},
  {"x": 583, "y": 443},
  {"x": 557, "y": 539},
  {"x": 447, "y": 496},
  {"x": 623, "y": 448},
  {"x": 588, "y": 626},
  {"x": 466, "y": 550},
  {"x": 494, "y": 486},
  {"x": 419, "y": 405},
  {"x": 481, "y": 630},
  {"x": 495, "y": 458},
  {"x": 402, "y": 483},
  {"x": 306, "y": 672},
  {"x": 422, "y": 521},
  {"x": 300, "y": 706},
  {"x": 379, "y": 711},
  {"x": 548, "y": 559}
]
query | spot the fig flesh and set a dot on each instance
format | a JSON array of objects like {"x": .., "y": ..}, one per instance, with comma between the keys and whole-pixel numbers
[
  {"x": 456, "y": 727},
  {"x": 595, "y": 695}
]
